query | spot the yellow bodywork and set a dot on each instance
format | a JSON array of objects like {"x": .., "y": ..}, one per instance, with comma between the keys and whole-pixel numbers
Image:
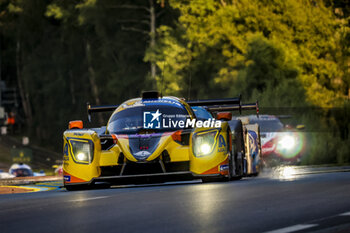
[
  {"x": 75, "y": 172},
  {"x": 210, "y": 164},
  {"x": 205, "y": 165}
]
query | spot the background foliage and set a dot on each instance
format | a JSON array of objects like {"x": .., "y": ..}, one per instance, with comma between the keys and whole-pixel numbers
[{"x": 294, "y": 53}]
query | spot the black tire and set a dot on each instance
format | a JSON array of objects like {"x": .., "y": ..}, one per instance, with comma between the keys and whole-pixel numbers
[
  {"x": 231, "y": 167},
  {"x": 87, "y": 186},
  {"x": 230, "y": 175},
  {"x": 206, "y": 180},
  {"x": 214, "y": 179},
  {"x": 77, "y": 187},
  {"x": 239, "y": 168},
  {"x": 101, "y": 186},
  {"x": 255, "y": 174},
  {"x": 231, "y": 161}
]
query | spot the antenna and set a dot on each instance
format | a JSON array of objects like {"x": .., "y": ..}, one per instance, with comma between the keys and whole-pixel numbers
[
  {"x": 189, "y": 85},
  {"x": 161, "y": 88}
]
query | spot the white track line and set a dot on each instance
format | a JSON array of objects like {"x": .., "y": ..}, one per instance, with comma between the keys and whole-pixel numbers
[
  {"x": 345, "y": 214},
  {"x": 88, "y": 199},
  {"x": 293, "y": 228}
]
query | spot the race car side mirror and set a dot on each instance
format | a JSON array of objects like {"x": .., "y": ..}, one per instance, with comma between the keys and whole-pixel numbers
[
  {"x": 75, "y": 124},
  {"x": 225, "y": 116}
]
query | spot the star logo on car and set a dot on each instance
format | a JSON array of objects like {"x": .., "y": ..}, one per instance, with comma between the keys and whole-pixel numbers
[
  {"x": 156, "y": 115},
  {"x": 142, "y": 155}
]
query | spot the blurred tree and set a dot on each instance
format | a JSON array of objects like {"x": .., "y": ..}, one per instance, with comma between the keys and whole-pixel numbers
[
  {"x": 215, "y": 38},
  {"x": 270, "y": 74}
]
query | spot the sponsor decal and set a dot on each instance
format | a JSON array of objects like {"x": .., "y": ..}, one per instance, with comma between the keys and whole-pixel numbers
[
  {"x": 151, "y": 120},
  {"x": 253, "y": 143},
  {"x": 224, "y": 167},
  {"x": 78, "y": 134},
  {"x": 268, "y": 118},
  {"x": 165, "y": 101},
  {"x": 65, "y": 153},
  {"x": 156, "y": 120},
  {"x": 142, "y": 154},
  {"x": 66, "y": 178},
  {"x": 132, "y": 104},
  {"x": 222, "y": 144}
]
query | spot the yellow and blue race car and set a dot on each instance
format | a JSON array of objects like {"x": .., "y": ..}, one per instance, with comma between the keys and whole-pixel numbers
[{"x": 157, "y": 139}]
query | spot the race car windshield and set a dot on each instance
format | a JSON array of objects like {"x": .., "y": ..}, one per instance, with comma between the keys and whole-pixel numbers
[
  {"x": 22, "y": 172},
  {"x": 154, "y": 117},
  {"x": 201, "y": 113},
  {"x": 268, "y": 125}
]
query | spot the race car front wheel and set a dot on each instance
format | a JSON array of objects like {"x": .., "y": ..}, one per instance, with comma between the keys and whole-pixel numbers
[
  {"x": 87, "y": 186},
  {"x": 77, "y": 187}
]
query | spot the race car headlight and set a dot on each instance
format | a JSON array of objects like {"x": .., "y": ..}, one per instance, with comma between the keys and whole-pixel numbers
[
  {"x": 204, "y": 142},
  {"x": 290, "y": 145},
  {"x": 287, "y": 142},
  {"x": 82, "y": 150}
]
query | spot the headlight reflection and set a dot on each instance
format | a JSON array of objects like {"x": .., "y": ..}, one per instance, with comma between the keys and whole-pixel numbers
[
  {"x": 288, "y": 173},
  {"x": 205, "y": 206},
  {"x": 290, "y": 145}
]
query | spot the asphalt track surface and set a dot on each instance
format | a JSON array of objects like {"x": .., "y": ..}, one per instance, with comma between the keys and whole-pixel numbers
[{"x": 280, "y": 202}]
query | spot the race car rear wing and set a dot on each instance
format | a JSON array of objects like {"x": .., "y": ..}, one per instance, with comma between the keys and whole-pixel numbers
[
  {"x": 104, "y": 108},
  {"x": 228, "y": 104},
  {"x": 238, "y": 107},
  {"x": 210, "y": 102},
  {"x": 213, "y": 105}
]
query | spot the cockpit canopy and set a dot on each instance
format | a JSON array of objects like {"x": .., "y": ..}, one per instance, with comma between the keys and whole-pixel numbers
[{"x": 147, "y": 114}]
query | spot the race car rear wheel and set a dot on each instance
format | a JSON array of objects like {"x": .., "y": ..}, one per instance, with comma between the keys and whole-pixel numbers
[
  {"x": 231, "y": 167},
  {"x": 239, "y": 167},
  {"x": 232, "y": 158}
]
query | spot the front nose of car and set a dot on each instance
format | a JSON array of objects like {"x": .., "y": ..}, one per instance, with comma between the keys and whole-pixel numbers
[
  {"x": 143, "y": 146},
  {"x": 147, "y": 148}
]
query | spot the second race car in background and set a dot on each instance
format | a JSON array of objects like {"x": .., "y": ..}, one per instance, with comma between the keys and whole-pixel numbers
[
  {"x": 21, "y": 170},
  {"x": 279, "y": 143}
]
